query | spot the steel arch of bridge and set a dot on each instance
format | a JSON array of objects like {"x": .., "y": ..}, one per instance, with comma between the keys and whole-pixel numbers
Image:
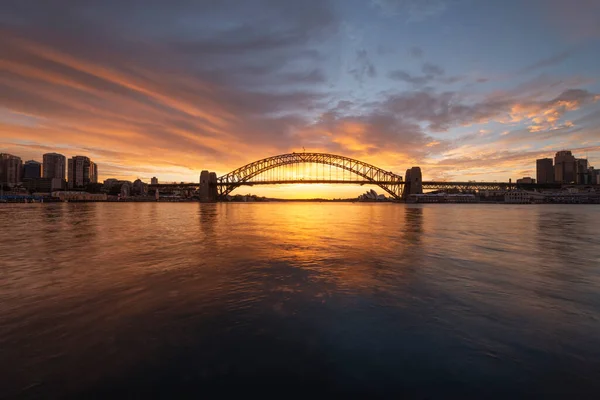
[{"x": 388, "y": 181}]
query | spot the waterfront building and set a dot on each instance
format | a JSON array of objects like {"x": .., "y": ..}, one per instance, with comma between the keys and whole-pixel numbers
[
  {"x": 32, "y": 170},
  {"x": 369, "y": 195},
  {"x": 109, "y": 183},
  {"x": 139, "y": 188},
  {"x": 54, "y": 166},
  {"x": 154, "y": 181},
  {"x": 545, "y": 170},
  {"x": 82, "y": 172},
  {"x": 442, "y": 198},
  {"x": 526, "y": 180},
  {"x": 582, "y": 172},
  {"x": 594, "y": 176},
  {"x": 44, "y": 185},
  {"x": 125, "y": 190},
  {"x": 79, "y": 196},
  {"x": 564, "y": 167},
  {"x": 517, "y": 197},
  {"x": 10, "y": 169}
]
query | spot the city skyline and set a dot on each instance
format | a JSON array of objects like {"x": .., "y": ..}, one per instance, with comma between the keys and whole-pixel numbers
[
  {"x": 393, "y": 83},
  {"x": 81, "y": 171}
]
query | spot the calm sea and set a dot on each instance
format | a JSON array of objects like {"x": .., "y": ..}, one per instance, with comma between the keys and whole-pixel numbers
[{"x": 299, "y": 299}]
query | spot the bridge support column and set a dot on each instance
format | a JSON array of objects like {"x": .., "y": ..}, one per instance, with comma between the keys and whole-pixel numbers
[
  {"x": 413, "y": 182},
  {"x": 212, "y": 186},
  {"x": 208, "y": 186}
]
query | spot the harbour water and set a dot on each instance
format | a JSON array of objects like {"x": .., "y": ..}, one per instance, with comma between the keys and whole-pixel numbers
[{"x": 294, "y": 299}]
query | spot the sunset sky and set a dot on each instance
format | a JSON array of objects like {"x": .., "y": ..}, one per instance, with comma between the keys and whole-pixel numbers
[{"x": 466, "y": 89}]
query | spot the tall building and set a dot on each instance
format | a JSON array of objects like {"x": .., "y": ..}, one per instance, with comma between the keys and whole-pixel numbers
[
  {"x": 10, "y": 169},
  {"x": 594, "y": 176},
  {"x": 154, "y": 181},
  {"x": 55, "y": 166},
  {"x": 32, "y": 170},
  {"x": 545, "y": 170},
  {"x": 82, "y": 172},
  {"x": 564, "y": 167},
  {"x": 582, "y": 172}
]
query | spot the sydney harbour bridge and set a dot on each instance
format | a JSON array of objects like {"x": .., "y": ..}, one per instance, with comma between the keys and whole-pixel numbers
[{"x": 322, "y": 168}]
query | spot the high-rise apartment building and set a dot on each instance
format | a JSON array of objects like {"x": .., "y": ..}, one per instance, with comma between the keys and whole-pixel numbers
[
  {"x": 564, "y": 167},
  {"x": 54, "y": 166},
  {"x": 10, "y": 169},
  {"x": 82, "y": 172},
  {"x": 154, "y": 181},
  {"x": 594, "y": 176},
  {"x": 582, "y": 172},
  {"x": 545, "y": 170},
  {"x": 32, "y": 170}
]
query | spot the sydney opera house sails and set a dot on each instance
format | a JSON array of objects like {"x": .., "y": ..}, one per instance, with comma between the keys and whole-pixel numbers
[{"x": 371, "y": 195}]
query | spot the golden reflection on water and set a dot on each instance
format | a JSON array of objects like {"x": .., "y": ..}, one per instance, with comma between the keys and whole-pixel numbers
[{"x": 76, "y": 277}]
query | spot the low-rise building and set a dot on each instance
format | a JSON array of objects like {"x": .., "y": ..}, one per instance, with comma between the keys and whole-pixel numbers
[
  {"x": 442, "y": 198},
  {"x": 79, "y": 196},
  {"x": 526, "y": 180},
  {"x": 45, "y": 185},
  {"x": 139, "y": 188},
  {"x": 517, "y": 197}
]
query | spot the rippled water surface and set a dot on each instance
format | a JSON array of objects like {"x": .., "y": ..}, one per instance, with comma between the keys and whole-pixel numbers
[{"x": 171, "y": 300}]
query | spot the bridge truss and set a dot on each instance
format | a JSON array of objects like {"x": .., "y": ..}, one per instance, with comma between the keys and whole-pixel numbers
[{"x": 363, "y": 173}]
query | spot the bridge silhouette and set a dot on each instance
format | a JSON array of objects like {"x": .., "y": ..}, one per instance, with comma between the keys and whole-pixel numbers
[{"x": 324, "y": 168}]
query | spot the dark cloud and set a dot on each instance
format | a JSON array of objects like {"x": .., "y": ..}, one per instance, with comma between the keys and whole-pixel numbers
[
  {"x": 416, "y": 52},
  {"x": 547, "y": 62},
  {"x": 363, "y": 67},
  {"x": 411, "y": 10},
  {"x": 370, "y": 134},
  {"x": 432, "y": 69},
  {"x": 449, "y": 109},
  {"x": 183, "y": 78},
  {"x": 417, "y": 80},
  {"x": 431, "y": 73}
]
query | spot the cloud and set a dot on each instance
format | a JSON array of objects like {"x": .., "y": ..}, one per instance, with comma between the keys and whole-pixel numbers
[
  {"x": 431, "y": 73},
  {"x": 363, "y": 67},
  {"x": 547, "y": 62},
  {"x": 411, "y": 10},
  {"x": 505, "y": 159},
  {"x": 417, "y": 80},
  {"x": 449, "y": 109},
  {"x": 416, "y": 52},
  {"x": 576, "y": 19},
  {"x": 101, "y": 76},
  {"x": 432, "y": 69},
  {"x": 179, "y": 87},
  {"x": 379, "y": 137}
]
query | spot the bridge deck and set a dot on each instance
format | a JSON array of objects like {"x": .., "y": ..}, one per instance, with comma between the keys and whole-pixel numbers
[{"x": 426, "y": 184}]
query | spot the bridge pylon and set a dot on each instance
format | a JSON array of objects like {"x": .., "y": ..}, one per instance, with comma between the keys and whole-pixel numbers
[
  {"x": 413, "y": 182},
  {"x": 208, "y": 187}
]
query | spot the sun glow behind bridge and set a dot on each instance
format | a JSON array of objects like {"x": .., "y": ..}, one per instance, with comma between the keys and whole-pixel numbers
[{"x": 307, "y": 172}]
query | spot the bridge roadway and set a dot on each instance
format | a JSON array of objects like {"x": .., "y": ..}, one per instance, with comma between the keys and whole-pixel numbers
[{"x": 428, "y": 185}]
